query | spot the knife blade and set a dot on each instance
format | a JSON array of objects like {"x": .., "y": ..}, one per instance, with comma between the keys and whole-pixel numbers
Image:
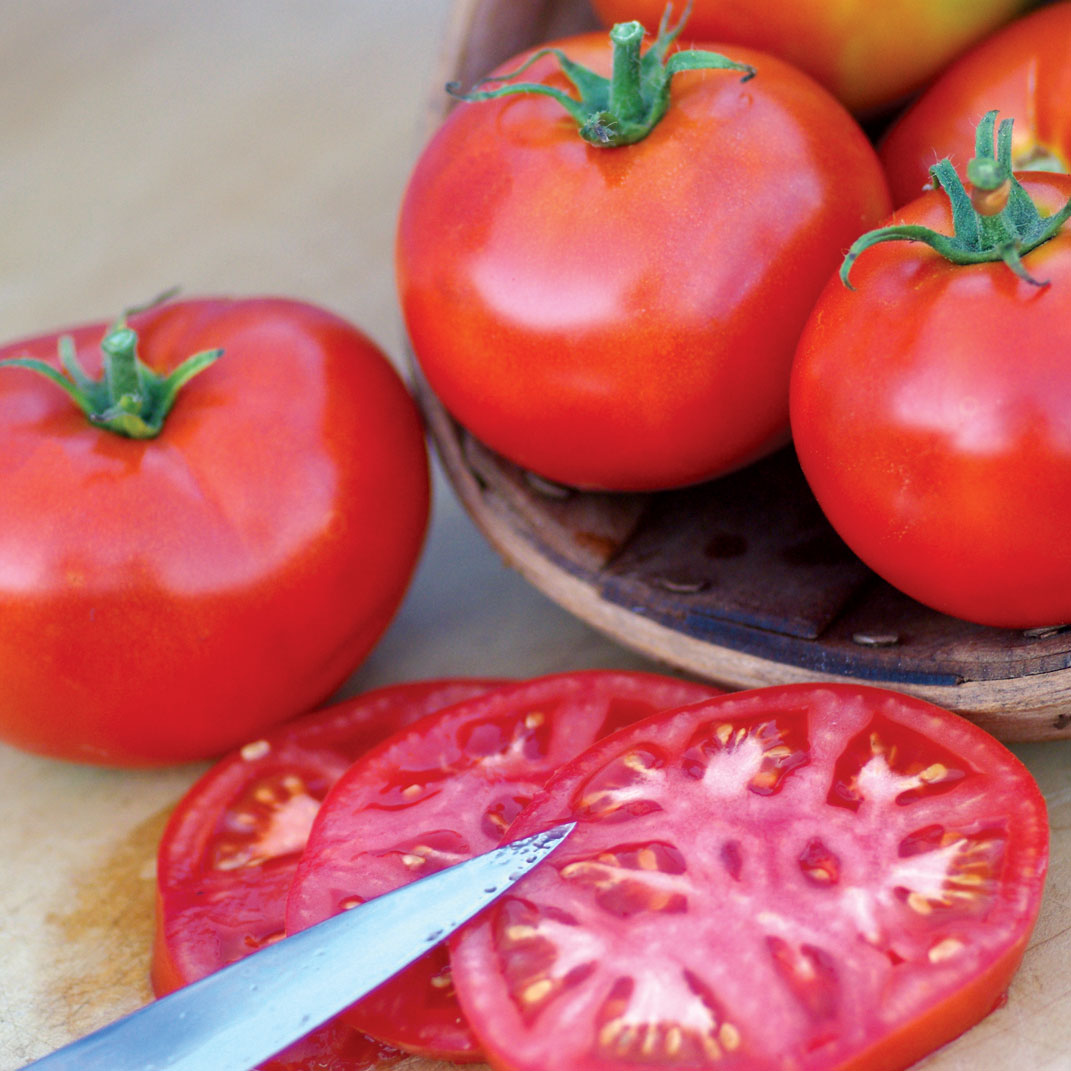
[{"x": 245, "y": 1013}]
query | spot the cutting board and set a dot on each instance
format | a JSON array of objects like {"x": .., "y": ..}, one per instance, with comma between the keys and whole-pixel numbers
[{"x": 272, "y": 141}]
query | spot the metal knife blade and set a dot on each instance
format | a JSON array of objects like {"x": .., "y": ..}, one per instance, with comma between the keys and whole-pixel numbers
[{"x": 243, "y": 1014}]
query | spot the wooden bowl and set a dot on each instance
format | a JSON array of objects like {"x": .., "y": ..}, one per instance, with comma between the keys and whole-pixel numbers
[{"x": 740, "y": 581}]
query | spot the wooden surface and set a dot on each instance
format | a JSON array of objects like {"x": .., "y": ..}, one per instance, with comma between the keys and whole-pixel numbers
[{"x": 256, "y": 146}]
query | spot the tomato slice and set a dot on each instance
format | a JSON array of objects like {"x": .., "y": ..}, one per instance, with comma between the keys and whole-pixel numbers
[
  {"x": 805, "y": 877},
  {"x": 231, "y": 847},
  {"x": 441, "y": 791}
]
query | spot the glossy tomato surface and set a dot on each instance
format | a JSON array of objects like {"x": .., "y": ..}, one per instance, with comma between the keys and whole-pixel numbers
[
  {"x": 930, "y": 411},
  {"x": 231, "y": 847},
  {"x": 165, "y": 599},
  {"x": 808, "y": 877},
  {"x": 624, "y": 318},
  {"x": 1024, "y": 71},
  {"x": 869, "y": 55},
  {"x": 439, "y": 792}
]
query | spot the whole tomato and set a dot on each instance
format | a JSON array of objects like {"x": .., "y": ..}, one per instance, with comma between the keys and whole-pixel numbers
[
  {"x": 931, "y": 406},
  {"x": 624, "y": 317},
  {"x": 1024, "y": 71},
  {"x": 166, "y": 598},
  {"x": 870, "y": 55}
]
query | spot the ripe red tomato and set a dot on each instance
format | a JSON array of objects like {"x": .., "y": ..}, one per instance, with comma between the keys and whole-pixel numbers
[
  {"x": 930, "y": 408},
  {"x": 869, "y": 55},
  {"x": 439, "y": 792},
  {"x": 816, "y": 877},
  {"x": 166, "y": 598},
  {"x": 624, "y": 318},
  {"x": 1023, "y": 71},
  {"x": 231, "y": 847}
]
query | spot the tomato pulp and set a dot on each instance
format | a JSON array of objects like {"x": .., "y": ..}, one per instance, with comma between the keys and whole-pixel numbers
[
  {"x": 808, "y": 876},
  {"x": 443, "y": 790},
  {"x": 231, "y": 847},
  {"x": 624, "y": 318},
  {"x": 164, "y": 599}
]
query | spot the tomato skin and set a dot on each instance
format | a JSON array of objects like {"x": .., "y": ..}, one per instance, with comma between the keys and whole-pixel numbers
[
  {"x": 1023, "y": 71},
  {"x": 164, "y": 599},
  {"x": 767, "y": 879},
  {"x": 603, "y": 316},
  {"x": 868, "y": 55},
  {"x": 930, "y": 406}
]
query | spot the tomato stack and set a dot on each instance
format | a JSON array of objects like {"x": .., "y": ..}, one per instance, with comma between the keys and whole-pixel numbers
[
  {"x": 805, "y": 876},
  {"x": 623, "y": 311}
]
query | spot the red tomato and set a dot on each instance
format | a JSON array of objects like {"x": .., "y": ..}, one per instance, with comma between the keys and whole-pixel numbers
[
  {"x": 231, "y": 847},
  {"x": 869, "y": 55},
  {"x": 624, "y": 318},
  {"x": 1023, "y": 71},
  {"x": 930, "y": 408},
  {"x": 165, "y": 599},
  {"x": 442, "y": 791},
  {"x": 816, "y": 877}
]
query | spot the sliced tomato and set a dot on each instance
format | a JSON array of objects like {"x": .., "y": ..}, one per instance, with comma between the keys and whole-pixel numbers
[
  {"x": 230, "y": 849},
  {"x": 805, "y": 877},
  {"x": 439, "y": 792}
]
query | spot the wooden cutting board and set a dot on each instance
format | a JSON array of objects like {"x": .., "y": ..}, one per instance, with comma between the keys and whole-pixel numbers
[{"x": 257, "y": 163}]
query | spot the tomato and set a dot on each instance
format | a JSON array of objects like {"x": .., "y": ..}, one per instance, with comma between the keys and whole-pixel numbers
[
  {"x": 1022, "y": 71},
  {"x": 810, "y": 876},
  {"x": 231, "y": 847},
  {"x": 869, "y": 55},
  {"x": 623, "y": 318},
  {"x": 444, "y": 790},
  {"x": 164, "y": 599},
  {"x": 930, "y": 408}
]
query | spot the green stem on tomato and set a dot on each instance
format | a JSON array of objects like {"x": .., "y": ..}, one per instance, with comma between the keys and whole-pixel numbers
[
  {"x": 129, "y": 398},
  {"x": 626, "y": 107},
  {"x": 997, "y": 221}
]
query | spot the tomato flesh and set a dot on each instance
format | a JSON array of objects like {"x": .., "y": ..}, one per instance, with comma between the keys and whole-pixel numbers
[
  {"x": 806, "y": 876},
  {"x": 439, "y": 792},
  {"x": 228, "y": 855}
]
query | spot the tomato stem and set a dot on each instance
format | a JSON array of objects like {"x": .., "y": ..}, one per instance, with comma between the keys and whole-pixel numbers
[
  {"x": 626, "y": 107},
  {"x": 129, "y": 399},
  {"x": 996, "y": 221}
]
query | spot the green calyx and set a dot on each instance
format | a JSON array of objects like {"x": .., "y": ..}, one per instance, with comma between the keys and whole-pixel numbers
[
  {"x": 996, "y": 221},
  {"x": 129, "y": 399},
  {"x": 624, "y": 108}
]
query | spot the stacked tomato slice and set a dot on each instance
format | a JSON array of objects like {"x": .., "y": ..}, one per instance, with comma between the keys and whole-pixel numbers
[
  {"x": 807, "y": 876},
  {"x": 230, "y": 850}
]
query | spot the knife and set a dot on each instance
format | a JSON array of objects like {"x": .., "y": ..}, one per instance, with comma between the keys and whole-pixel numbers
[{"x": 245, "y": 1013}]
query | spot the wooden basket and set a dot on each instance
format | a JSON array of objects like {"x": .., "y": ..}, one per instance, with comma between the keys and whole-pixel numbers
[{"x": 740, "y": 581}]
